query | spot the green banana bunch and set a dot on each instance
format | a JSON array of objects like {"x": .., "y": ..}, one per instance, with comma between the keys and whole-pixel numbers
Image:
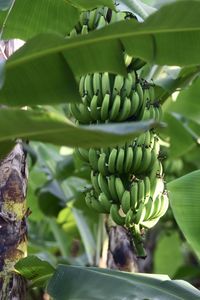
[{"x": 127, "y": 180}]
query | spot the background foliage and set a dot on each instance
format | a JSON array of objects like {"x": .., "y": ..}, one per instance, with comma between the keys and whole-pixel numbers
[{"x": 42, "y": 78}]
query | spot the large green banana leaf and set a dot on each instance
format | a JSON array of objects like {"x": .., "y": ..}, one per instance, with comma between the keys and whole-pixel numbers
[{"x": 185, "y": 202}]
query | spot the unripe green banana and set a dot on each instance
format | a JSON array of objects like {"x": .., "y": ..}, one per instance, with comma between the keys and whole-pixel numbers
[
  {"x": 94, "y": 181},
  {"x": 97, "y": 84},
  {"x": 93, "y": 158},
  {"x": 125, "y": 111},
  {"x": 81, "y": 86},
  {"x": 95, "y": 113},
  {"x": 141, "y": 192},
  {"x": 84, "y": 29},
  {"x": 105, "y": 107},
  {"x": 147, "y": 189},
  {"x": 102, "y": 164},
  {"x": 146, "y": 159},
  {"x": 134, "y": 195},
  {"x": 101, "y": 23},
  {"x": 84, "y": 153},
  {"x": 104, "y": 185},
  {"x": 115, "y": 215},
  {"x": 105, "y": 84},
  {"x": 85, "y": 112},
  {"x": 115, "y": 108},
  {"x": 135, "y": 103},
  {"x": 73, "y": 33},
  {"x": 105, "y": 202},
  {"x": 88, "y": 86},
  {"x": 119, "y": 188},
  {"x": 128, "y": 161},
  {"x": 129, "y": 218},
  {"x": 120, "y": 161},
  {"x": 77, "y": 114},
  {"x": 112, "y": 188},
  {"x": 91, "y": 21},
  {"x": 128, "y": 85},
  {"x": 152, "y": 93},
  {"x": 164, "y": 205},
  {"x": 118, "y": 84},
  {"x": 112, "y": 161},
  {"x": 126, "y": 201},
  {"x": 137, "y": 159},
  {"x": 140, "y": 214}
]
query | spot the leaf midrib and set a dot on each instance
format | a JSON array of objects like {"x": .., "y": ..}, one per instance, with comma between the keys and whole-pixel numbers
[{"x": 92, "y": 40}]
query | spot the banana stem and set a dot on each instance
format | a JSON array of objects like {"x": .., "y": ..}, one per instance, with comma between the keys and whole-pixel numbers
[{"x": 138, "y": 242}]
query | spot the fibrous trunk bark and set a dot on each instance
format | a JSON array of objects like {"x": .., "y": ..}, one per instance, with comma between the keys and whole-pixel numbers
[
  {"x": 13, "y": 229},
  {"x": 120, "y": 250}
]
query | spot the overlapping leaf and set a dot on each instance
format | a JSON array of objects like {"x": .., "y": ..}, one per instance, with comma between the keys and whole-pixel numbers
[
  {"x": 160, "y": 39},
  {"x": 94, "y": 283},
  {"x": 54, "y": 128},
  {"x": 184, "y": 198}
]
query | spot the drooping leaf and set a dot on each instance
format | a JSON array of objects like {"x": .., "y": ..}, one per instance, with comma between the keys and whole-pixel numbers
[
  {"x": 42, "y": 71},
  {"x": 35, "y": 269},
  {"x": 94, "y": 283},
  {"x": 29, "y": 18},
  {"x": 184, "y": 198},
  {"x": 187, "y": 102},
  {"x": 54, "y": 128},
  {"x": 167, "y": 255},
  {"x": 88, "y": 4},
  {"x": 180, "y": 139},
  {"x": 160, "y": 39}
]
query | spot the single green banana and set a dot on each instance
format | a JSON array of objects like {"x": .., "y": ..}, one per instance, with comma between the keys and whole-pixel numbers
[
  {"x": 95, "y": 113},
  {"x": 126, "y": 201},
  {"x": 135, "y": 103},
  {"x": 85, "y": 112},
  {"x": 147, "y": 189},
  {"x": 105, "y": 107},
  {"x": 101, "y": 23},
  {"x": 81, "y": 86},
  {"x": 164, "y": 205},
  {"x": 84, "y": 30},
  {"x": 137, "y": 159},
  {"x": 115, "y": 215},
  {"x": 96, "y": 81},
  {"x": 105, "y": 202},
  {"x": 157, "y": 207},
  {"x": 102, "y": 164},
  {"x": 129, "y": 218},
  {"x": 119, "y": 188},
  {"x": 112, "y": 161},
  {"x": 88, "y": 86},
  {"x": 83, "y": 18},
  {"x": 91, "y": 20},
  {"x": 93, "y": 158},
  {"x": 146, "y": 159},
  {"x": 149, "y": 209},
  {"x": 94, "y": 181},
  {"x": 112, "y": 188},
  {"x": 134, "y": 195},
  {"x": 152, "y": 93},
  {"x": 120, "y": 161},
  {"x": 140, "y": 214},
  {"x": 77, "y": 114},
  {"x": 125, "y": 112},
  {"x": 97, "y": 206},
  {"x": 118, "y": 84},
  {"x": 141, "y": 192},
  {"x": 128, "y": 161},
  {"x": 84, "y": 153},
  {"x": 128, "y": 85},
  {"x": 127, "y": 59},
  {"x": 105, "y": 84},
  {"x": 104, "y": 185},
  {"x": 114, "y": 112},
  {"x": 157, "y": 187}
]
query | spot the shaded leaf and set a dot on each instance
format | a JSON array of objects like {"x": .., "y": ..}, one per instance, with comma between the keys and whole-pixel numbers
[
  {"x": 37, "y": 17},
  {"x": 88, "y": 4},
  {"x": 35, "y": 269},
  {"x": 187, "y": 102},
  {"x": 184, "y": 198},
  {"x": 5, "y": 148},
  {"x": 181, "y": 140},
  {"x": 65, "y": 167},
  {"x": 160, "y": 39},
  {"x": 167, "y": 256},
  {"x": 54, "y": 128},
  {"x": 107, "y": 284}
]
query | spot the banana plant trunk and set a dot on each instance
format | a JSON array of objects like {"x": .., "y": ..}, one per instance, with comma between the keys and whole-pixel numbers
[
  {"x": 13, "y": 228},
  {"x": 120, "y": 250}
]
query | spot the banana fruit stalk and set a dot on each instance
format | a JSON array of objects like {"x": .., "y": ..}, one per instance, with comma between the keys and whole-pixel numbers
[{"x": 127, "y": 180}]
